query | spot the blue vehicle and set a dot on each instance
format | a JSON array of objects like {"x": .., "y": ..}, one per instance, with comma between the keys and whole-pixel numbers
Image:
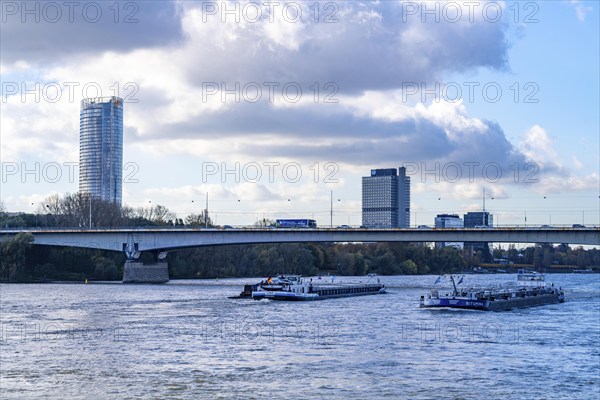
[{"x": 296, "y": 223}]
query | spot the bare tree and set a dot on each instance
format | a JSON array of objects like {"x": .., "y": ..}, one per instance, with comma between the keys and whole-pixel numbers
[{"x": 198, "y": 220}]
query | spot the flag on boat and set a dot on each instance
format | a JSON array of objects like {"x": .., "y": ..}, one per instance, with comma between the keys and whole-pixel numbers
[
  {"x": 269, "y": 280},
  {"x": 460, "y": 280},
  {"x": 438, "y": 280}
]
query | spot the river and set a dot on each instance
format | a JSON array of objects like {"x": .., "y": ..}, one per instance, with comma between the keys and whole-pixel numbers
[{"x": 187, "y": 340}]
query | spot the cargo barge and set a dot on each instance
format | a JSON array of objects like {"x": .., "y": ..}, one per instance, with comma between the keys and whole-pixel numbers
[
  {"x": 297, "y": 288},
  {"x": 530, "y": 291}
]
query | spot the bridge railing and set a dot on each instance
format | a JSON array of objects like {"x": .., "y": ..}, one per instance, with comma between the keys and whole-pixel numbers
[{"x": 321, "y": 228}]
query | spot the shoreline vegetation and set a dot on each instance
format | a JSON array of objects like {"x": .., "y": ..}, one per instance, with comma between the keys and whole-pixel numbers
[{"x": 22, "y": 261}]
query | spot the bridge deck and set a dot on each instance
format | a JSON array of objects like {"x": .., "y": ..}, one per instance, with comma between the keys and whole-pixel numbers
[{"x": 166, "y": 239}]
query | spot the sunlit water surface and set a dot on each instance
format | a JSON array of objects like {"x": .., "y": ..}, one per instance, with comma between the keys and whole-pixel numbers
[{"x": 187, "y": 340}]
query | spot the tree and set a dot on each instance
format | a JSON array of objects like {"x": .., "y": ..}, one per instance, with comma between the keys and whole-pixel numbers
[
  {"x": 104, "y": 268},
  {"x": 13, "y": 257},
  {"x": 197, "y": 220},
  {"x": 538, "y": 257},
  {"x": 263, "y": 223},
  {"x": 497, "y": 253},
  {"x": 345, "y": 263},
  {"x": 547, "y": 260},
  {"x": 409, "y": 267}
]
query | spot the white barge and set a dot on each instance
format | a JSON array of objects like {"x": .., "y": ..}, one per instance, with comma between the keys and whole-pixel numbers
[
  {"x": 297, "y": 288},
  {"x": 531, "y": 291}
]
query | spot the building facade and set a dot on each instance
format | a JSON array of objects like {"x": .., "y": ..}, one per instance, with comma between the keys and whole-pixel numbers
[
  {"x": 479, "y": 219},
  {"x": 449, "y": 221},
  {"x": 101, "y": 148},
  {"x": 386, "y": 199}
]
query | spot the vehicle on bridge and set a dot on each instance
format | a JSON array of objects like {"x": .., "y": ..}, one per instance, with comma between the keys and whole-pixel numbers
[{"x": 296, "y": 223}]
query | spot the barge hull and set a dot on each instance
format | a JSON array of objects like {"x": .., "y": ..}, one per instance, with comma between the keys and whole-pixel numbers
[
  {"x": 494, "y": 305},
  {"x": 293, "y": 297},
  {"x": 321, "y": 293},
  {"x": 504, "y": 305}
]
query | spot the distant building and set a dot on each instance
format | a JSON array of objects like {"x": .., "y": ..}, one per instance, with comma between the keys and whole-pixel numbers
[
  {"x": 479, "y": 219},
  {"x": 101, "y": 148},
  {"x": 449, "y": 221},
  {"x": 386, "y": 199}
]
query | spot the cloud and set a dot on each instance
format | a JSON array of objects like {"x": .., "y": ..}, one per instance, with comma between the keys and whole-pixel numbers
[
  {"x": 369, "y": 47},
  {"x": 48, "y": 33},
  {"x": 539, "y": 147},
  {"x": 176, "y": 49},
  {"x": 567, "y": 183},
  {"x": 580, "y": 9},
  {"x": 201, "y": 49}
]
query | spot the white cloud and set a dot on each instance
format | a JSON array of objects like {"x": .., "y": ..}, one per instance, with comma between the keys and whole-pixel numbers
[
  {"x": 576, "y": 163},
  {"x": 580, "y": 10},
  {"x": 567, "y": 184},
  {"x": 537, "y": 145}
]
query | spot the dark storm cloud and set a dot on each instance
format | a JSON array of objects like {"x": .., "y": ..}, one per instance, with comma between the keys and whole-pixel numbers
[{"x": 40, "y": 32}]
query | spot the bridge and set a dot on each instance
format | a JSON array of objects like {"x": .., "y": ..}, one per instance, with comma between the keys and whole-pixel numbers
[{"x": 160, "y": 241}]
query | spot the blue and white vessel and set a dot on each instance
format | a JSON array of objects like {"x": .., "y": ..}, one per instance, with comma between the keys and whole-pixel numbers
[
  {"x": 297, "y": 288},
  {"x": 530, "y": 291}
]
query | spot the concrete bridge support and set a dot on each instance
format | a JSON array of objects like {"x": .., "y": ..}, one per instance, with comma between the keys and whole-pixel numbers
[{"x": 138, "y": 272}]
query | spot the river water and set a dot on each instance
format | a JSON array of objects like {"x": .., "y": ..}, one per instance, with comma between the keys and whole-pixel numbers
[{"x": 187, "y": 340}]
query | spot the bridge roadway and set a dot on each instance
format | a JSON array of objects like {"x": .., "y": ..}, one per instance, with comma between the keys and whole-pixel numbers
[
  {"x": 160, "y": 241},
  {"x": 170, "y": 239}
]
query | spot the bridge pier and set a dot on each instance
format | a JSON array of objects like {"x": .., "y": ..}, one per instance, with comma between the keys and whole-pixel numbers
[{"x": 138, "y": 272}]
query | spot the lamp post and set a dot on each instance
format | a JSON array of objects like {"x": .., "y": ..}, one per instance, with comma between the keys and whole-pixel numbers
[
  {"x": 331, "y": 208},
  {"x": 206, "y": 213},
  {"x": 37, "y": 218},
  {"x": 90, "y": 209}
]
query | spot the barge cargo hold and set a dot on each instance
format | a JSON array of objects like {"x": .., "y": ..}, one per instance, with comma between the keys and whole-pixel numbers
[{"x": 296, "y": 288}]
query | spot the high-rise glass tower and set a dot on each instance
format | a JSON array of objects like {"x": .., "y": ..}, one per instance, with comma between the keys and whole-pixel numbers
[
  {"x": 101, "y": 148},
  {"x": 386, "y": 199}
]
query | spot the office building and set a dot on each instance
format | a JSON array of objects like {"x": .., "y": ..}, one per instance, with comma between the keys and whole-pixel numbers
[
  {"x": 449, "y": 221},
  {"x": 386, "y": 199},
  {"x": 479, "y": 219},
  {"x": 101, "y": 148}
]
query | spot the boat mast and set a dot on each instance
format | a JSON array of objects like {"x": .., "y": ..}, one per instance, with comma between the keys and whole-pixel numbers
[{"x": 454, "y": 284}]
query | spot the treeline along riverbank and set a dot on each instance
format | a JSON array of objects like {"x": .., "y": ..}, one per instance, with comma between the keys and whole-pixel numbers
[{"x": 22, "y": 261}]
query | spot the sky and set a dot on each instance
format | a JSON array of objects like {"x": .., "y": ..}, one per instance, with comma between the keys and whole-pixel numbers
[{"x": 277, "y": 109}]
